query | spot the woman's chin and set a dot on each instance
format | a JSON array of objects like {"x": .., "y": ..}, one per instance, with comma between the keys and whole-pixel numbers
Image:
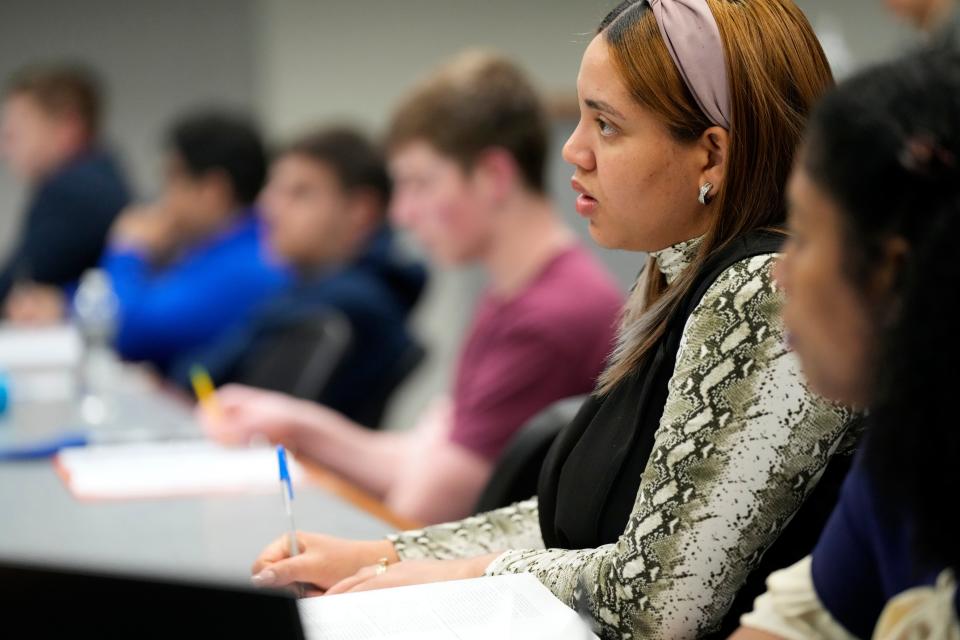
[{"x": 598, "y": 236}]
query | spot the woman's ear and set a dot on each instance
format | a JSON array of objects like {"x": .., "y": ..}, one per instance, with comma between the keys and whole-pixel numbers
[
  {"x": 888, "y": 276},
  {"x": 714, "y": 145}
]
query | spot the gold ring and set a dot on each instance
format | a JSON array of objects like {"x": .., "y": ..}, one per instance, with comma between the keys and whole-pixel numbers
[{"x": 381, "y": 567}]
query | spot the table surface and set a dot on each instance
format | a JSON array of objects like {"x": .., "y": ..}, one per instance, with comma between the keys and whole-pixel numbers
[{"x": 211, "y": 537}]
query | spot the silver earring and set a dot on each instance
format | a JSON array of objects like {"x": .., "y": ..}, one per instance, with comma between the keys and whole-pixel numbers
[{"x": 704, "y": 190}]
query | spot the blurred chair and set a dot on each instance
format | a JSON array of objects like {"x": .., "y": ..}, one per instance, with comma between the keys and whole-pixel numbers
[
  {"x": 517, "y": 471},
  {"x": 301, "y": 359},
  {"x": 380, "y": 396}
]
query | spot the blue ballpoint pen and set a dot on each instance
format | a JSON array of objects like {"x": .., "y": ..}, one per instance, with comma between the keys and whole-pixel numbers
[{"x": 286, "y": 486}]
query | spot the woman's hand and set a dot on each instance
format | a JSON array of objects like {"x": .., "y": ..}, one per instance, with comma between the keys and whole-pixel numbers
[
  {"x": 412, "y": 572},
  {"x": 323, "y": 561}
]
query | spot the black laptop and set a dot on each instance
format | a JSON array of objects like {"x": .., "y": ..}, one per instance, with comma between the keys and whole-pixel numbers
[{"x": 40, "y": 601}]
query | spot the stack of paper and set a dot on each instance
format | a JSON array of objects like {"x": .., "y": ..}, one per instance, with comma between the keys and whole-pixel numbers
[
  {"x": 40, "y": 363},
  {"x": 39, "y": 348},
  {"x": 502, "y": 607},
  {"x": 162, "y": 469}
]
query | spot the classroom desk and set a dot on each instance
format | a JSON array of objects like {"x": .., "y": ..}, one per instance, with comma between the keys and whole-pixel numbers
[{"x": 213, "y": 537}]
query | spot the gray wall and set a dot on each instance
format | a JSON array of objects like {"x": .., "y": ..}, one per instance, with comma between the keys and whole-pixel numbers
[{"x": 156, "y": 58}]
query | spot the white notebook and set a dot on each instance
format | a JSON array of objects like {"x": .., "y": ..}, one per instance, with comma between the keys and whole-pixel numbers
[
  {"x": 164, "y": 469},
  {"x": 501, "y": 607},
  {"x": 44, "y": 347}
]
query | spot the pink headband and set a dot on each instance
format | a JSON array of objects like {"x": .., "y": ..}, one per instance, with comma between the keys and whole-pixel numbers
[{"x": 690, "y": 32}]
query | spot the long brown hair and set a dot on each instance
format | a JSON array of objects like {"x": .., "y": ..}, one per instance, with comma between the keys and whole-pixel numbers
[{"x": 777, "y": 72}]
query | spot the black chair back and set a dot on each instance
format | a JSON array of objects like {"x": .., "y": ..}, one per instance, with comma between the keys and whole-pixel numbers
[
  {"x": 300, "y": 359},
  {"x": 517, "y": 472}
]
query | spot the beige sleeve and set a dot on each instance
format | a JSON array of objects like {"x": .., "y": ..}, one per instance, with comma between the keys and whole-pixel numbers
[
  {"x": 922, "y": 613},
  {"x": 791, "y": 610}
]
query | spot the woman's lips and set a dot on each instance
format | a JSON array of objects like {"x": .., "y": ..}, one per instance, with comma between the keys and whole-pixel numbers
[{"x": 586, "y": 203}]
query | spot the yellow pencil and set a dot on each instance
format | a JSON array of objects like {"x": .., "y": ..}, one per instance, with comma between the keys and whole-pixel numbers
[{"x": 206, "y": 392}]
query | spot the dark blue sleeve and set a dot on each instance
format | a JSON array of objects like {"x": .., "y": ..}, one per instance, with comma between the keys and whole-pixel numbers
[
  {"x": 66, "y": 224},
  {"x": 846, "y": 567},
  {"x": 66, "y": 229},
  {"x": 58, "y": 242},
  {"x": 8, "y": 274}
]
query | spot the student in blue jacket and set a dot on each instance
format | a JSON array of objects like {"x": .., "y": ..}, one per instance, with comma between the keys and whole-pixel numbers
[
  {"x": 189, "y": 267},
  {"x": 325, "y": 212}
]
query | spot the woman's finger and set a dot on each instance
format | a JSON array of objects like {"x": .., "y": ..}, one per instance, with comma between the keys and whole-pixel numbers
[
  {"x": 347, "y": 584},
  {"x": 274, "y": 552}
]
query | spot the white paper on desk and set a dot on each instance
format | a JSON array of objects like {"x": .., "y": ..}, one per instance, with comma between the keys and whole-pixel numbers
[
  {"x": 39, "y": 348},
  {"x": 164, "y": 469},
  {"x": 503, "y": 607}
]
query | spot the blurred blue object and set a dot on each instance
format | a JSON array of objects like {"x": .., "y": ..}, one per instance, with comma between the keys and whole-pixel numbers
[
  {"x": 44, "y": 448},
  {"x": 4, "y": 393}
]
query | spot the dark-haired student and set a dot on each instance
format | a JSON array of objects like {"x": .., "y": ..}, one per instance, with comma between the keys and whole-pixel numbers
[
  {"x": 193, "y": 264},
  {"x": 870, "y": 277},
  {"x": 324, "y": 208},
  {"x": 50, "y": 139}
]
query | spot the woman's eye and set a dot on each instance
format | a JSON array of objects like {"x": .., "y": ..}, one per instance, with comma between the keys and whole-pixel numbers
[{"x": 606, "y": 129}]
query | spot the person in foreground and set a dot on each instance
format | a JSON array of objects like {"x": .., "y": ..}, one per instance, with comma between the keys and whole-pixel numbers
[
  {"x": 702, "y": 440},
  {"x": 870, "y": 275}
]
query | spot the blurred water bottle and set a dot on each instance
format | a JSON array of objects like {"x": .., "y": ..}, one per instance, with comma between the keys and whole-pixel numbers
[{"x": 96, "y": 310}]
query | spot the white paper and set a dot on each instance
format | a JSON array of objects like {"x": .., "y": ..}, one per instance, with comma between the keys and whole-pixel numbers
[
  {"x": 161, "y": 469},
  {"x": 501, "y": 607},
  {"x": 38, "y": 348}
]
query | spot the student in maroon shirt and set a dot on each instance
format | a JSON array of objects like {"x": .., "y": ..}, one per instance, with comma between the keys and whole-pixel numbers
[{"x": 467, "y": 151}]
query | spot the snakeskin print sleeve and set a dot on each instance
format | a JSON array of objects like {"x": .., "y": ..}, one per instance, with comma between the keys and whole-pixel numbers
[
  {"x": 740, "y": 445},
  {"x": 513, "y": 527}
]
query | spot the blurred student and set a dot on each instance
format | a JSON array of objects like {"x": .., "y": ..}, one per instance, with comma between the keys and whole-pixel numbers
[
  {"x": 50, "y": 139},
  {"x": 467, "y": 151},
  {"x": 190, "y": 266},
  {"x": 325, "y": 212},
  {"x": 938, "y": 19},
  {"x": 870, "y": 275}
]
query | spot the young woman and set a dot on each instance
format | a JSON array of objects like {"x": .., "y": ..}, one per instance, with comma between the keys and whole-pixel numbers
[
  {"x": 870, "y": 273},
  {"x": 702, "y": 440}
]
